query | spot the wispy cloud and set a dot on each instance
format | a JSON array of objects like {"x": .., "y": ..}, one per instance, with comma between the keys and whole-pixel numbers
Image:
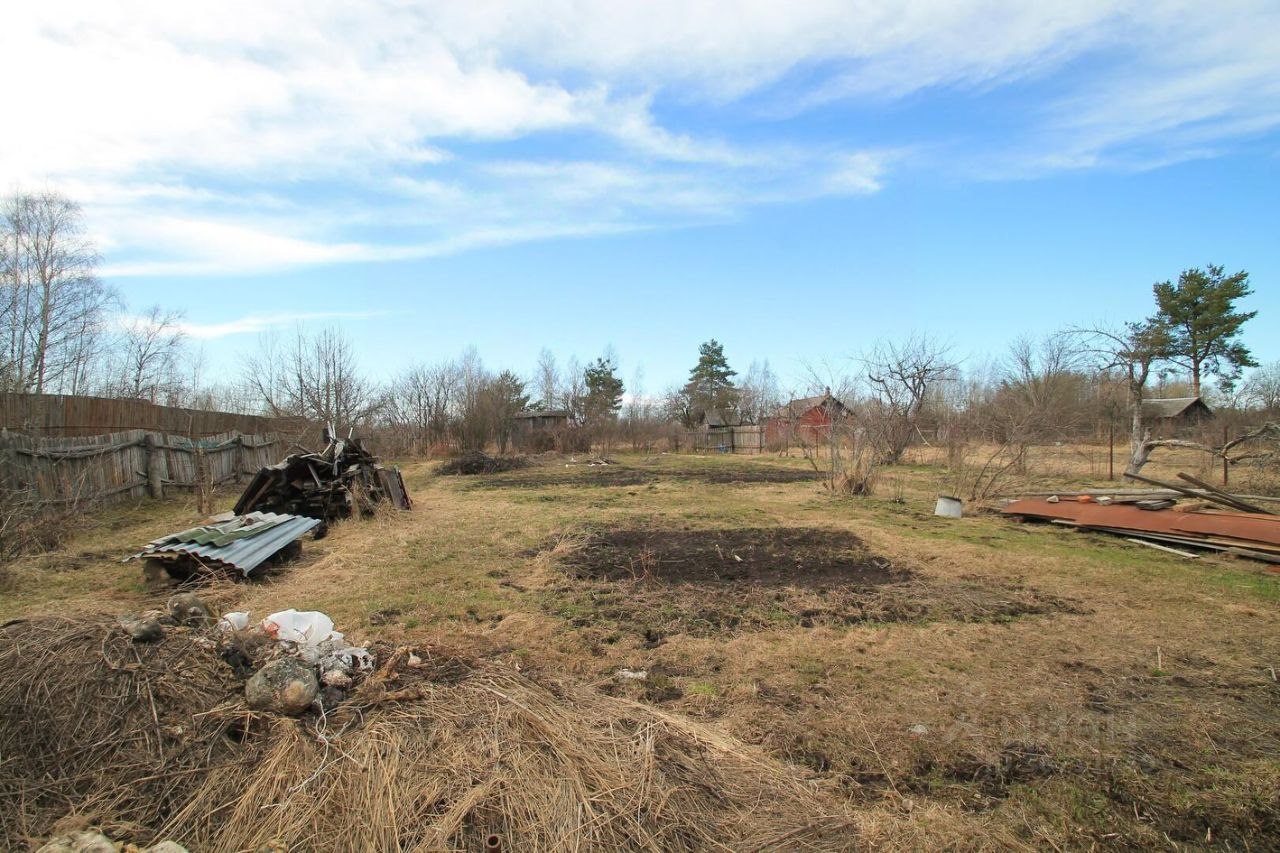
[
  {"x": 258, "y": 323},
  {"x": 248, "y": 136}
]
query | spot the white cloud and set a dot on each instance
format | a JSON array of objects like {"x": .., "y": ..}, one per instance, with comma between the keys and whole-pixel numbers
[
  {"x": 240, "y": 136},
  {"x": 247, "y": 325}
]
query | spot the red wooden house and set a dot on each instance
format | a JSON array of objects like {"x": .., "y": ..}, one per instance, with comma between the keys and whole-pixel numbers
[{"x": 804, "y": 421}]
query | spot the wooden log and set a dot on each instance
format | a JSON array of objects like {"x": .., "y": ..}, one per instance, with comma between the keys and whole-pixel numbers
[
  {"x": 1235, "y": 499},
  {"x": 1208, "y": 496}
]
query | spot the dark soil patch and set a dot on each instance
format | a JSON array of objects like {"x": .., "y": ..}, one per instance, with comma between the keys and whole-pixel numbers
[
  {"x": 708, "y": 582},
  {"x": 622, "y": 475},
  {"x": 773, "y": 556},
  {"x": 722, "y": 475},
  {"x": 471, "y": 464}
]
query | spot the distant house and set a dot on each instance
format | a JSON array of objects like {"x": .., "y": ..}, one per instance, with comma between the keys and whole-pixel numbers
[
  {"x": 722, "y": 419},
  {"x": 538, "y": 429},
  {"x": 804, "y": 420},
  {"x": 1174, "y": 415},
  {"x": 725, "y": 431}
]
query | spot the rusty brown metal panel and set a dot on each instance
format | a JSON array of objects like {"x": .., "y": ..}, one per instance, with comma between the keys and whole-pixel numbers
[{"x": 1228, "y": 525}]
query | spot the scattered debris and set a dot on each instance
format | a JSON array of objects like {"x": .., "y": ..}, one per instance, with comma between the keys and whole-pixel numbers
[
  {"x": 240, "y": 542},
  {"x": 632, "y": 674},
  {"x": 309, "y": 634},
  {"x": 478, "y": 462},
  {"x": 143, "y": 630},
  {"x": 1155, "y": 519},
  {"x": 328, "y": 485},
  {"x": 93, "y": 841},
  {"x": 594, "y": 462},
  {"x": 188, "y": 609}
]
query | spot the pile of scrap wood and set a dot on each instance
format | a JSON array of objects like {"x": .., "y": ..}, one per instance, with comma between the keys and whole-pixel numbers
[
  {"x": 326, "y": 485},
  {"x": 1216, "y": 521}
]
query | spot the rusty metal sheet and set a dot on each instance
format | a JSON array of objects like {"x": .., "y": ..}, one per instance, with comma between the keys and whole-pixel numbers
[{"x": 1242, "y": 526}]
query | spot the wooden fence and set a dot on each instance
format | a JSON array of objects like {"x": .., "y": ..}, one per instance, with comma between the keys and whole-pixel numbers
[
  {"x": 739, "y": 439},
  {"x": 65, "y": 416},
  {"x": 129, "y": 464}
]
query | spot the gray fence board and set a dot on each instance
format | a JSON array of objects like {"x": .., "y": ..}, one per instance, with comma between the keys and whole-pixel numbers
[{"x": 113, "y": 466}]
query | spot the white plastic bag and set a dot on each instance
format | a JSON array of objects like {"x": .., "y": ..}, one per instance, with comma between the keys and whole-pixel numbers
[
  {"x": 316, "y": 641},
  {"x": 235, "y": 621},
  {"x": 306, "y": 627}
]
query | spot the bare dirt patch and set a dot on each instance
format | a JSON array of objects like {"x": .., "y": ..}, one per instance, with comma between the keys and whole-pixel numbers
[
  {"x": 622, "y": 475},
  {"x": 707, "y": 582}
]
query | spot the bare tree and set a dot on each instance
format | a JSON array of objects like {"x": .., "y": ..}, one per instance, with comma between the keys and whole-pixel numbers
[
  {"x": 1131, "y": 353},
  {"x": 546, "y": 379},
  {"x": 760, "y": 392},
  {"x": 313, "y": 376},
  {"x": 53, "y": 307},
  {"x": 423, "y": 399},
  {"x": 474, "y": 422},
  {"x": 149, "y": 353},
  {"x": 573, "y": 388},
  {"x": 1262, "y": 389},
  {"x": 900, "y": 377}
]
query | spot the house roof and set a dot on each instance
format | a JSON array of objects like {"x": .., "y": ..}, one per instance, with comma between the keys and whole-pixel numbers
[
  {"x": 543, "y": 413},
  {"x": 1172, "y": 407},
  {"x": 797, "y": 407},
  {"x": 722, "y": 418}
]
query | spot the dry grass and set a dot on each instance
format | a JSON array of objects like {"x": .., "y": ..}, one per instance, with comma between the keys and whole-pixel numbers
[
  {"x": 1151, "y": 710},
  {"x": 155, "y": 741}
]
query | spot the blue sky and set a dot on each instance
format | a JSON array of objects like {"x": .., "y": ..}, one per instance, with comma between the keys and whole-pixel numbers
[{"x": 795, "y": 182}]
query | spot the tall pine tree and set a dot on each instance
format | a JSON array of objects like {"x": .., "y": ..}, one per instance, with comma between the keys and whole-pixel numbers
[
  {"x": 1204, "y": 325},
  {"x": 710, "y": 384},
  {"x": 604, "y": 391}
]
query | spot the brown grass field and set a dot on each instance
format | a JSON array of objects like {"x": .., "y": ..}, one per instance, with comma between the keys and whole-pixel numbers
[{"x": 952, "y": 684}]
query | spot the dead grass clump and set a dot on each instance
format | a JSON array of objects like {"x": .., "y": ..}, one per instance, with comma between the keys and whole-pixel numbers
[
  {"x": 154, "y": 741},
  {"x": 477, "y": 462}
]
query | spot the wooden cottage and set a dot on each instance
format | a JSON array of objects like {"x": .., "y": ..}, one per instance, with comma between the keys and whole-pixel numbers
[
  {"x": 541, "y": 429},
  {"x": 1175, "y": 415}
]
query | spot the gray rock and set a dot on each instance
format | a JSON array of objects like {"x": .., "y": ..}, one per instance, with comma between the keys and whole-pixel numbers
[
  {"x": 167, "y": 847},
  {"x": 285, "y": 686},
  {"x": 188, "y": 609}
]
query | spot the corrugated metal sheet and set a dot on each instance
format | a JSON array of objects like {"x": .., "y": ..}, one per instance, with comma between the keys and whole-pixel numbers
[{"x": 245, "y": 542}]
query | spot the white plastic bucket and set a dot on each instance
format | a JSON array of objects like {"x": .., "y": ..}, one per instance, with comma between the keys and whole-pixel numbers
[{"x": 949, "y": 507}]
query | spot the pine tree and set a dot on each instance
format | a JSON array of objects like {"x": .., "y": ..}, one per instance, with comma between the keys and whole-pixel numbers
[
  {"x": 604, "y": 391},
  {"x": 710, "y": 384},
  {"x": 1199, "y": 312}
]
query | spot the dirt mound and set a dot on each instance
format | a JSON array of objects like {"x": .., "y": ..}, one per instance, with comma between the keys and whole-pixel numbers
[
  {"x": 154, "y": 740},
  {"x": 477, "y": 462},
  {"x": 705, "y": 582}
]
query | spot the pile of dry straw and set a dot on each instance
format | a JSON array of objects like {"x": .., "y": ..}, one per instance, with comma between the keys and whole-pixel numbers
[{"x": 155, "y": 741}]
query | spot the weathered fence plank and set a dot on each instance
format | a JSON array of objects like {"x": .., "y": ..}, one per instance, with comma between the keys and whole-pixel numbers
[
  {"x": 124, "y": 465},
  {"x": 64, "y": 416}
]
